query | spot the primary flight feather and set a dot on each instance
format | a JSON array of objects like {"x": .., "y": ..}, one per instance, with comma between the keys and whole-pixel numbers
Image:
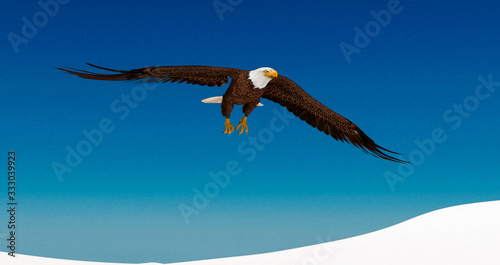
[{"x": 246, "y": 88}]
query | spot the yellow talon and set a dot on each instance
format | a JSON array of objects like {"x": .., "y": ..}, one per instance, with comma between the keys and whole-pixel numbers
[
  {"x": 229, "y": 127},
  {"x": 243, "y": 124}
]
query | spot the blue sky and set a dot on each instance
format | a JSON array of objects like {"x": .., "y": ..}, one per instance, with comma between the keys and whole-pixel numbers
[{"x": 429, "y": 75}]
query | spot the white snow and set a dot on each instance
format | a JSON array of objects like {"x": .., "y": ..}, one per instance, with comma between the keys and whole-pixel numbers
[{"x": 466, "y": 234}]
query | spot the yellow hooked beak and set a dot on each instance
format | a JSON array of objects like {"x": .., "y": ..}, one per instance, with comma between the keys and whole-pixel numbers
[{"x": 272, "y": 74}]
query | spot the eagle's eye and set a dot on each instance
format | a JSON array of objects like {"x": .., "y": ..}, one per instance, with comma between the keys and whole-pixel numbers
[{"x": 265, "y": 71}]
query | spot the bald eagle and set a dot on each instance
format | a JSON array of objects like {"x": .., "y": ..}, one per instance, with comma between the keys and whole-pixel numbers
[{"x": 246, "y": 88}]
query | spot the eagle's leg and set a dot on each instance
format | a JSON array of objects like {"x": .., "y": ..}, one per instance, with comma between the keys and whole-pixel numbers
[
  {"x": 229, "y": 127},
  {"x": 247, "y": 109},
  {"x": 243, "y": 124},
  {"x": 227, "y": 107}
]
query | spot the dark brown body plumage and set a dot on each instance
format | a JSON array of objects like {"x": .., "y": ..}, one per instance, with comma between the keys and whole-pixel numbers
[{"x": 242, "y": 92}]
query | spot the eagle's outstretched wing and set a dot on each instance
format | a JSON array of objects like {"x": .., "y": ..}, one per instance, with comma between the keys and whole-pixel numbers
[
  {"x": 199, "y": 75},
  {"x": 290, "y": 95}
]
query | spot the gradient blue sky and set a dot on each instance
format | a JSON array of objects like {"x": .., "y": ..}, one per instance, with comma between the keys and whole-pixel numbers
[{"x": 121, "y": 202}]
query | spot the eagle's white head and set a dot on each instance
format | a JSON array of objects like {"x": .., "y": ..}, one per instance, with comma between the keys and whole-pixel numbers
[{"x": 260, "y": 77}]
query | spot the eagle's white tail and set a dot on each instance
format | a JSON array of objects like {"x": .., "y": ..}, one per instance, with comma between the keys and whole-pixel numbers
[
  {"x": 213, "y": 100},
  {"x": 219, "y": 100}
]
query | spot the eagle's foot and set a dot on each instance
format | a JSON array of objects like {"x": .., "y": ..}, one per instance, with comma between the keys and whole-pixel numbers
[
  {"x": 243, "y": 124},
  {"x": 229, "y": 127}
]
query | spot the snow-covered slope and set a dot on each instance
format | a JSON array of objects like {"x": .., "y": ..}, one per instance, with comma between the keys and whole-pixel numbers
[{"x": 466, "y": 234}]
